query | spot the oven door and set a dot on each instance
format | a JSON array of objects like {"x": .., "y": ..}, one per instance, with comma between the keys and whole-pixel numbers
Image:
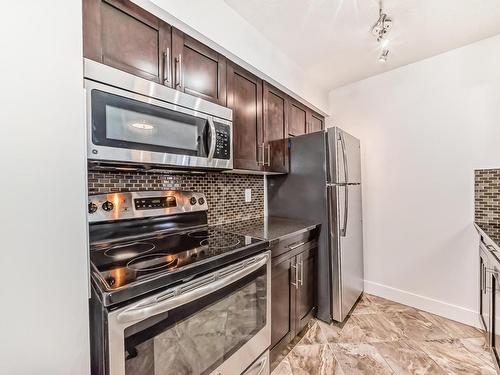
[
  {"x": 127, "y": 128},
  {"x": 215, "y": 324}
]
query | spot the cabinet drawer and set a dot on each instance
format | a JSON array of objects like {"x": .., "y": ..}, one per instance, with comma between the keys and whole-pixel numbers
[{"x": 294, "y": 243}]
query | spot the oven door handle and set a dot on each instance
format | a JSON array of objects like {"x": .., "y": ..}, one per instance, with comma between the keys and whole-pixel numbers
[
  {"x": 213, "y": 138},
  {"x": 215, "y": 282}
]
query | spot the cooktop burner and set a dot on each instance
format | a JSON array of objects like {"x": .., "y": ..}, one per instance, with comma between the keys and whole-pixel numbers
[
  {"x": 151, "y": 262},
  {"x": 130, "y": 262},
  {"x": 128, "y": 250}
]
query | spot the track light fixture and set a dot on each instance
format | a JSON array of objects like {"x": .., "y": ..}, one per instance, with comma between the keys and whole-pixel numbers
[{"x": 379, "y": 30}]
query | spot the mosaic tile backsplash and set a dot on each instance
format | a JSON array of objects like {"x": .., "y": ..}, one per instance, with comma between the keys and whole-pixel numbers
[
  {"x": 487, "y": 196},
  {"x": 225, "y": 192}
]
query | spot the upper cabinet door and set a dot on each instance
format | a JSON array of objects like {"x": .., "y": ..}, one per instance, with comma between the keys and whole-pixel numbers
[
  {"x": 316, "y": 122},
  {"x": 244, "y": 97},
  {"x": 276, "y": 112},
  {"x": 198, "y": 70},
  {"x": 297, "y": 123},
  {"x": 120, "y": 34}
]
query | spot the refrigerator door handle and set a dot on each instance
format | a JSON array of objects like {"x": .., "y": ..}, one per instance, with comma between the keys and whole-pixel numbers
[{"x": 343, "y": 231}]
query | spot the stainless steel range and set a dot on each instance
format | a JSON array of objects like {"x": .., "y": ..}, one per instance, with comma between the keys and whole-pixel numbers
[{"x": 171, "y": 295}]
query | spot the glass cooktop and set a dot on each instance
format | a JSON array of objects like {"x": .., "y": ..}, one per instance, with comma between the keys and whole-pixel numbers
[{"x": 133, "y": 263}]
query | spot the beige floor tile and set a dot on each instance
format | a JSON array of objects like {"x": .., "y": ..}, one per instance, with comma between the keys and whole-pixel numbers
[
  {"x": 314, "y": 335},
  {"x": 407, "y": 359},
  {"x": 478, "y": 347},
  {"x": 454, "y": 329},
  {"x": 283, "y": 368},
  {"x": 452, "y": 356},
  {"x": 360, "y": 359},
  {"x": 365, "y": 306},
  {"x": 331, "y": 332},
  {"x": 313, "y": 360},
  {"x": 387, "y": 306},
  {"x": 416, "y": 327},
  {"x": 370, "y": 328}
]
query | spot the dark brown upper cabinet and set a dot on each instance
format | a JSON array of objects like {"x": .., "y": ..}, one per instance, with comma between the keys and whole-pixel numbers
[
  {"x": 316, "y": 122},
  {"x": 120, "y": 34},
  {"x": 276, "y": 112},
  {"x": 197, "y": 69},
  {"x": 244, "y": 97},
  {"x": 297, "y": 124}
]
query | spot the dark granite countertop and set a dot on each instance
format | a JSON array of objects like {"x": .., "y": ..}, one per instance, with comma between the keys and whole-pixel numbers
[
  {"x": 491, "y": 231},
  {"x": 269, "y": 228}
]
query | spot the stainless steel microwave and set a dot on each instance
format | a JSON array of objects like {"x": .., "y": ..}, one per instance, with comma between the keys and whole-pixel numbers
[{"x": 134, "y": 122}]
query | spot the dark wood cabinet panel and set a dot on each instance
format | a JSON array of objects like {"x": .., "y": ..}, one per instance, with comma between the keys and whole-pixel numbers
[
  {"x": 306, "y": 300},
  {"x": 198, "y": 70},
  {"x": 315, "y": 122},
  {"x": 244, "y": 97},
  {"x": 120, "y": 34},
  {"x": 282, "y": 296},
  {"x": 297, "y": 124},
  {"x": 276, "y": 111},
  {"x": 293, "y": 291}
]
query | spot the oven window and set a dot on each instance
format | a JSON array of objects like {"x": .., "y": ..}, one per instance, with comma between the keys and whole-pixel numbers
[
  {"x": 197, "y": 337},
  {"x": 126, "y": 123}
]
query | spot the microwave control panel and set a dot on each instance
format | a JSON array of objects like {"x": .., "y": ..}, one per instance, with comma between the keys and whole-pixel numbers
[{"x": 223, "y": 141}]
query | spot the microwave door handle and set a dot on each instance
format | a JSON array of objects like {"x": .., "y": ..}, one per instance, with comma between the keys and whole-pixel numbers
[
  {"x": 142, "y": 312},
  {"x": 213, "y": 138}
]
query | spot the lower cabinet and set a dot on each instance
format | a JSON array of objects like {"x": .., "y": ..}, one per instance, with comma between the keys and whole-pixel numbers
[{"x": 293, "y": 293}]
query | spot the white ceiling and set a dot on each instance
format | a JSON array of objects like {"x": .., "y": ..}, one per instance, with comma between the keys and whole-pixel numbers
[{"x": 331, "y": 39}]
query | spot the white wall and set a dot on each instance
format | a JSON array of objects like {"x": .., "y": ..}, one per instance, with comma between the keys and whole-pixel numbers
[
  {"x": 424, "y": 128},
  {"x": 242, "y": 42},
  {"x": 43, "y": 277}
]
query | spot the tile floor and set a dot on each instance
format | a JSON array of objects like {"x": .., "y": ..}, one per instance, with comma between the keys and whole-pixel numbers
[{"x": 384, "y": 337}]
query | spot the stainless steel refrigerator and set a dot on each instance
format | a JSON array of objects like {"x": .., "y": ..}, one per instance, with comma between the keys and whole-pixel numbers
[{"x": 324, "y": 186}]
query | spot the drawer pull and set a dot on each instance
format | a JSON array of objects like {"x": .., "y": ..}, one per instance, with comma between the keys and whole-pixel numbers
[{"x": 296, "y": 245}]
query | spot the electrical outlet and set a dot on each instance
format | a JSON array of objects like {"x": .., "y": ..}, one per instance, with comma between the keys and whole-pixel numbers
[{"x": 248, "y": 195}]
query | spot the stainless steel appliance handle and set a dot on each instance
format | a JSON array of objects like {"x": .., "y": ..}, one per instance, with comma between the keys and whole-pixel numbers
[
  {"x": 268, "y": 147},
  {"x": 166, "y": 66},
  {"x": 213, "y": 138},
  {"x": 343, "y": 231},
  {"x": 142, "y": 312}
]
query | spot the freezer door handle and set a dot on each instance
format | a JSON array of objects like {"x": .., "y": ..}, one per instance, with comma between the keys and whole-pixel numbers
[{"x": 344, "y": 158}]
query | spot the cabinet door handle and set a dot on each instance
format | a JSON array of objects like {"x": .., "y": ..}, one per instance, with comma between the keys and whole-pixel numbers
[
  {"x": 178, "y": 71},
  {"x": 296, "y": 276},
  {"x": 259, "y": 146},
  {"x": 301, "y": 279},
  {"x": 166, "y": 66},
  {"x": 295, "y": 245},
  {"x": 268, "y": 147}
]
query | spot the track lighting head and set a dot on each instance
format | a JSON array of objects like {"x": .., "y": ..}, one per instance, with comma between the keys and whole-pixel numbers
[{"x": 383, "y": 56}]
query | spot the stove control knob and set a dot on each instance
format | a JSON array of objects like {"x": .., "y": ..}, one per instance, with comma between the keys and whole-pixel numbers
[
  {"x": 201, "y": 200},
  {"x": 92, "y": 207},
  {"x": 107, "y": 206},
  {"x": 192, "y": 201}
]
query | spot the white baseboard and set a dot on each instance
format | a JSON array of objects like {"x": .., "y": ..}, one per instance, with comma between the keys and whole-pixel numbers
[{"x": 433, "y": 306}]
